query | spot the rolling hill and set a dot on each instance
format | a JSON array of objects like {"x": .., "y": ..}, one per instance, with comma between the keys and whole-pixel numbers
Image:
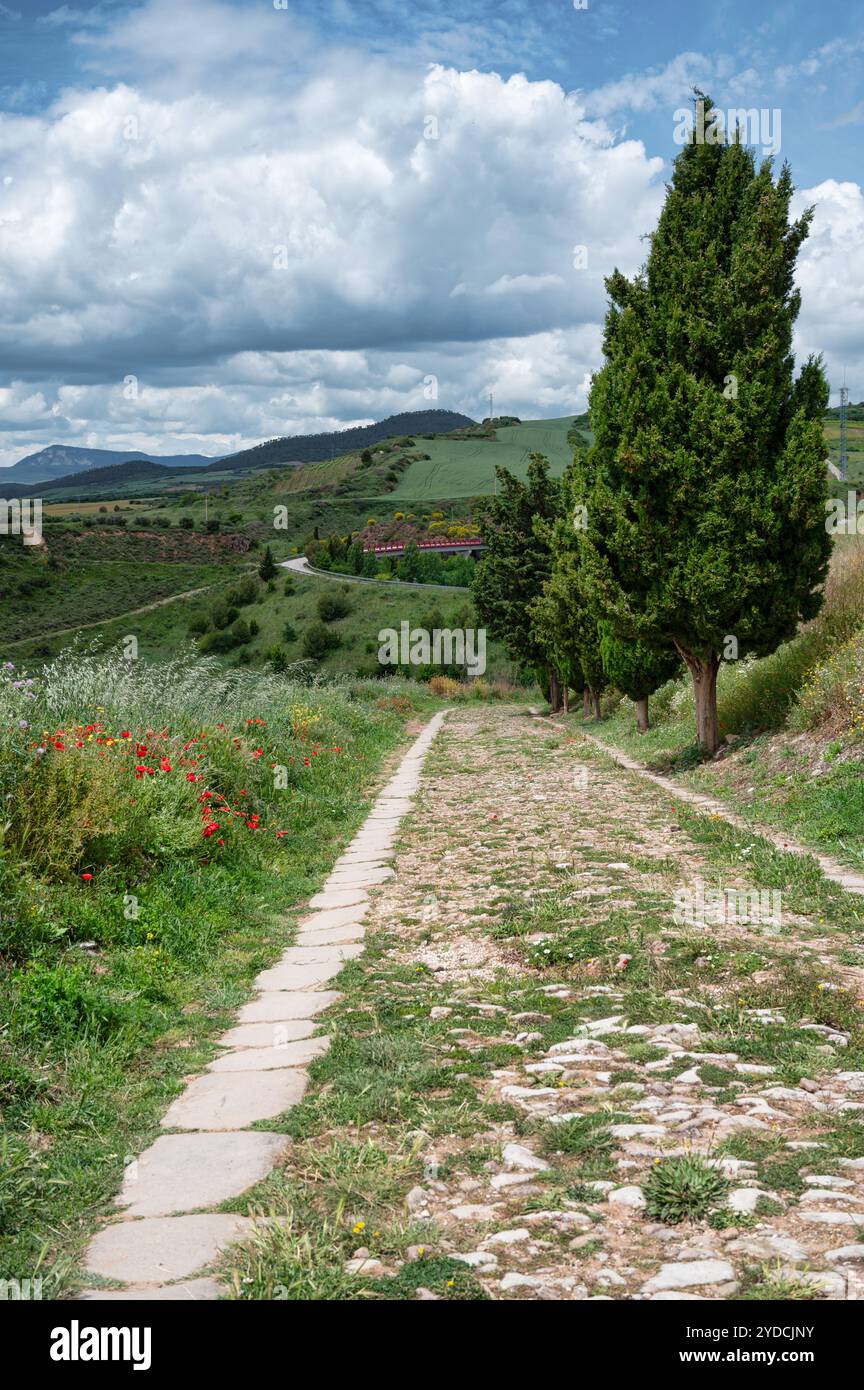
[{"x": 312, "y": 448}]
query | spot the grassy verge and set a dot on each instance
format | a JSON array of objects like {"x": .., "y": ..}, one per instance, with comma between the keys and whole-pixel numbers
[{"x": 150, "y": 860}]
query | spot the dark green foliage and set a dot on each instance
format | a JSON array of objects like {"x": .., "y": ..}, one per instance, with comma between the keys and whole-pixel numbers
[
  {"x": 706, "y": 512},
  {"x": 683, "y": 1189},
  {"x": 634, "y": 669},
  {"x": 332, "y": 607},
  {"x": 516, "y": 561},
  {"x": 318, "y": 640},
  {"x": 267, "y": 569}
]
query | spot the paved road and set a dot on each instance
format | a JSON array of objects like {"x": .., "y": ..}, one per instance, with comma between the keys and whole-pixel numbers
[{"x": 300, "y": 565}]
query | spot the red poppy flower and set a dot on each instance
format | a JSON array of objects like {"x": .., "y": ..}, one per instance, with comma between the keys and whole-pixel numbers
[{"x": 86, "y": 877}]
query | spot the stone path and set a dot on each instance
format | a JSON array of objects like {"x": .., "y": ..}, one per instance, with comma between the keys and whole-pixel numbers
[
  {"x": 577, "y": 1042},
  {"x": 170, "y": 1230}
]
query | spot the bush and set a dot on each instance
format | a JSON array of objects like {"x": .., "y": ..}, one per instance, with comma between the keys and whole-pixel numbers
[
  {"x": 243, "y": 593},
  {"x": 332, "y": 607},
  {"x": 289, "y": 633},
  {"x": 683, "y": 1189},
  {"x": 186, "y": 523},
  {"x": 222, "y": 616},
  {"x": 445, "y": 687},
  {"x": 318, "y": 640}
]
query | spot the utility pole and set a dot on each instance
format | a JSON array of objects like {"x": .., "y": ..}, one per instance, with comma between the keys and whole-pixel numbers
[{"x": 844, "y": 429}]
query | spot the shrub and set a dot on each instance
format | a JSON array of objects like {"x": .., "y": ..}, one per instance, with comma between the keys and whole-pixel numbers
[
  {"x": 445, "y": 687},
  {"x": 289, "y": 633},
  {"x": 683, "y": 1189},
  {"x": 332, "y": 607},
  {"x": 243, "y": 593},
  {"x": 318, "y": 640}
]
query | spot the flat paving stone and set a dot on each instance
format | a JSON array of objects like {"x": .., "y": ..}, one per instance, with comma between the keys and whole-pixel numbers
[
  {"x": 339, "y": 897},
  {"x": 189, "y": 1291},
  {"x": 233, "y": 1101},
  {"x": 332, "y": 936},
  {"x": 184, "y": 1172},
  {"x": 160, "y": 1248},
  {"x": 267, "y": 1034},
  {"x": 372, "y": 858},
  {"x": 360, "y": 876},
  {"x": 289, "y": 1054},
  {"x": 279, "y": 1006},
  {"x": 291, "y": 977},
  {"x": 333, "y": 917},
  {"x": 320, "y": 953}
]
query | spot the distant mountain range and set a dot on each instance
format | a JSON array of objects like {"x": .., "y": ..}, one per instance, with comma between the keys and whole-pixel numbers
[
  {"x": 61, "y": 466},
  {"x": 63, "y": 460}
]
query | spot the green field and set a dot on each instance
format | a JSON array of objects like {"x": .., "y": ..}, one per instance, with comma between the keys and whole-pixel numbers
[{"x": 466, "y": 467}]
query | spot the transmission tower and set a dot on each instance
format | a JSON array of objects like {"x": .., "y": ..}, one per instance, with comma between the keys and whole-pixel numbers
[{"x": 844, "y": 431}]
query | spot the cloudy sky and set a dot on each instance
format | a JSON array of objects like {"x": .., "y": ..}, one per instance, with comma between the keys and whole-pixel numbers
[{"x": 224, "y": 220}]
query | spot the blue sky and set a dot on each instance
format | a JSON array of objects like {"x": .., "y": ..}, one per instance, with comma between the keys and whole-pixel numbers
[{"x": 239, "y": 207}]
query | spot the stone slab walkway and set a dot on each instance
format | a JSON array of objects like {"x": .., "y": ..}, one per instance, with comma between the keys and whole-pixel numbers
[{"x": 168, "y": 1231}]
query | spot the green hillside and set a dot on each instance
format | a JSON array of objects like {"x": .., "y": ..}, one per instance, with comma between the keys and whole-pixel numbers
[{"x": 466, "y": 467}]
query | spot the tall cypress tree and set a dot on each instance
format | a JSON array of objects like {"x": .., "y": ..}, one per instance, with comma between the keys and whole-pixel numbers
[
  {"x": 706, "y": 504},
  {"x": 516, "y": 563},
  {"x": 565, "y": 617}
]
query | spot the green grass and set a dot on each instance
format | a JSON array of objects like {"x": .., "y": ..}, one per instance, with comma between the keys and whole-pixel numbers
[
  {"x": 466, "y": 467},
  {"x": 113, "y": 987}
]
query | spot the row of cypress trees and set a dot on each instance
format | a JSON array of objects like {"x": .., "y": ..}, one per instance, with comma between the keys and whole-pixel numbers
[{"x": 694, "y": 524}]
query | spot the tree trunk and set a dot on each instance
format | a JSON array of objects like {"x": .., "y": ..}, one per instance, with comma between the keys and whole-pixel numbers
[
  {"x": 595, "y": 700},
  {"x": 586, "y": 703},
  {"x": 554, "y": 691},
  {"x": 642, "y": 715},
  {"x": 565, "y": 696},
  {"x": 704, "y": 676}
]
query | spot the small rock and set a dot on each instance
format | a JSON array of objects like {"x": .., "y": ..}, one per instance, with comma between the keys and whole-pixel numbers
[
  {"x": 744, "y": 1199},
  {"x": 478, "y": 1259},
  {"x": 513, "y": 1237},
  {"x": 520, "y": 1281},
  {"x": 502, "y": 1180},
  {"x": 473, "y": 1211},
  {"x": 372, "y": 1269},
  {"x": 626, "y": 1197},
  {"x": 689, "y": 1274},
  {"x": 520, "y": 1158}
]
